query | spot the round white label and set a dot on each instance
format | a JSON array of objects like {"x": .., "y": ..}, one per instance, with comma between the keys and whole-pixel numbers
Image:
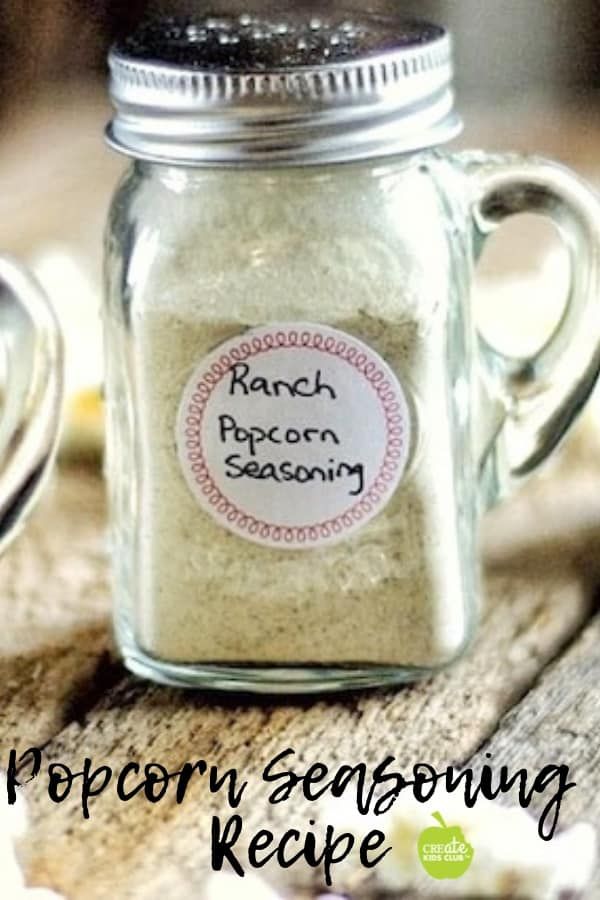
[{"x": 293, "y": 435}]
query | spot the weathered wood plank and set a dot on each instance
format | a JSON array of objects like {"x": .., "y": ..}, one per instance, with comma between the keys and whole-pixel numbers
[
  {"x": 558, "y": 722},
  {"x": 137, "y": 849},
  {"x": 53, "y": 579},
  {"x": 54, "y": 602},
  {"x": 54, "y": 672}
]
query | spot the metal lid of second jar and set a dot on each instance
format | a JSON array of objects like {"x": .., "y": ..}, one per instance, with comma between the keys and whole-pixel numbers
[{"x": 287, "y": 90}]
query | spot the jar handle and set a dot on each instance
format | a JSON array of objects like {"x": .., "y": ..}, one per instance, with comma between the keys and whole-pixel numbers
[
  {"x": 33, "y": 392},
  {"x": 541, "y": 394}
]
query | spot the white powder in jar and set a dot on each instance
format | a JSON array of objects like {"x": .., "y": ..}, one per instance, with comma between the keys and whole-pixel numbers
[{"x": 243, "y": 250}]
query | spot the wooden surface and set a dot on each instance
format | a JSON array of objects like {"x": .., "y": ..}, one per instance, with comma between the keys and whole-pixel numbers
[{"x": 526, "y": 690}]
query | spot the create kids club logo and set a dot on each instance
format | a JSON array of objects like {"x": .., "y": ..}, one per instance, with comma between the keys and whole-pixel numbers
[{"x": 444, "y": 851}]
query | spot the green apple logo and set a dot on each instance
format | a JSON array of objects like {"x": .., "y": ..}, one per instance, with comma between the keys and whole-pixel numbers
[{"x": 444, "y": 852}]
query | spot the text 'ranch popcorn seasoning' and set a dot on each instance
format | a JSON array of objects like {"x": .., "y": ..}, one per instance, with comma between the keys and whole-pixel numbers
[{"x": 303, "y": 426}]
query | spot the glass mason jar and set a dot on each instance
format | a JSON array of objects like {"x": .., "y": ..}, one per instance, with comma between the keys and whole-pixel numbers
[{"x": 304, "y": 426}]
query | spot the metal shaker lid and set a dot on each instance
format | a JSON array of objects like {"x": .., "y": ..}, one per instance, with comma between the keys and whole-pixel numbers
[{"x": 287, "y": 90}]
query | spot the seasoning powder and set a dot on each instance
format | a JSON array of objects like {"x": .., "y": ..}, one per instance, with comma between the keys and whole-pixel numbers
[{"x": 325, "y": 254}]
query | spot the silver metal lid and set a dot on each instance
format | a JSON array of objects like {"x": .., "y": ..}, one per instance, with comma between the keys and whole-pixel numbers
[{"x": 245, "y": 89}]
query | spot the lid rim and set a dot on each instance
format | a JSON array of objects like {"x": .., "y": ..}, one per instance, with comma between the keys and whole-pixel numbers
[{"x": 437, "y": 136}]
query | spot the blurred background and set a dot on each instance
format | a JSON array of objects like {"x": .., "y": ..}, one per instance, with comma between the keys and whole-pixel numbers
[
  {"x": 528, "y": 79},
  {"x": 545, "y": 44}
]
